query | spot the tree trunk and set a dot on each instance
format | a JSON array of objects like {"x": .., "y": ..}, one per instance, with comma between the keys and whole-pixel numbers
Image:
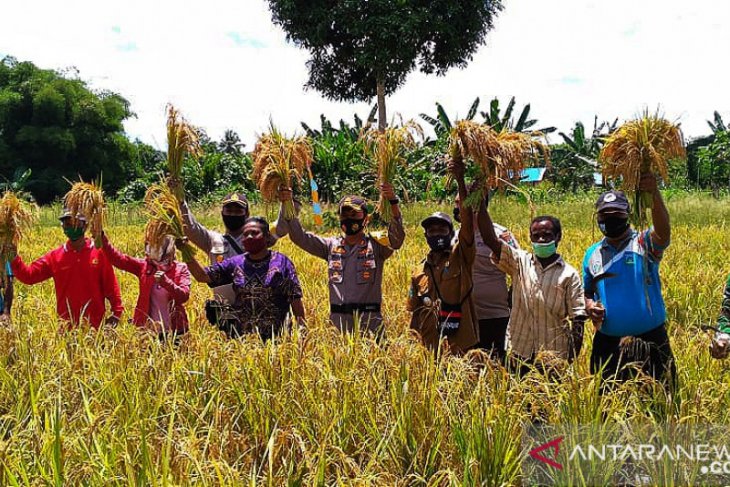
[{"x": 382, "y": 120}]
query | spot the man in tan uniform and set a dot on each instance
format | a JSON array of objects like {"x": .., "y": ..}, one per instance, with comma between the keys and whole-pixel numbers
[
  {"x": 219, "y": 246},
  {"x": 491, "y": 295},
  {"x": 441, "y": 289},
  {"x": 354, "y": 260}
]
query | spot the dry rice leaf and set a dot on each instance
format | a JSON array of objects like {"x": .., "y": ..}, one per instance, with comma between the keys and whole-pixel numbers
[
  {"x": 639, "y": 146},
  {"x": 280, "y": 162},
  {"x": 388, "y": 150},
  {"x": 16, "y": 218},
  {"x": 498, "y": 156},
  {"x": 182, "y": 139}
]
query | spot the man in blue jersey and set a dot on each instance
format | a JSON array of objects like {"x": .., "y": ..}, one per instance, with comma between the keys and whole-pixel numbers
[{"x": 623, "y": 290}]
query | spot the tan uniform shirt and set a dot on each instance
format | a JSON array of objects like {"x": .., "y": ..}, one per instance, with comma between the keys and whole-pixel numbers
[
  {"x": 453, "y": 277},
  {"x": 213, "y": 244},
  {"x": 543, "y": 303},
  {"x": 355, "y": 273}
]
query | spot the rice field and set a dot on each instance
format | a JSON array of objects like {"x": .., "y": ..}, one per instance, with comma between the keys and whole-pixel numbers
[{"x": 118, "y": 408}]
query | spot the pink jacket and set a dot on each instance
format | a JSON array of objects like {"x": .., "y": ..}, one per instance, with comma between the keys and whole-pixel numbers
[{"x": 176, "y": 281}]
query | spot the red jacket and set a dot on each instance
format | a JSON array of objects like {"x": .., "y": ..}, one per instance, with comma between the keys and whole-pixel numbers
[
  {"x": 176, "y": 282},
  {"x": 83, "y": 280}
]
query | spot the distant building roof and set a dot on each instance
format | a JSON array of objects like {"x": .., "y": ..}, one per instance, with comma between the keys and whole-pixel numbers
[{"x": 533, "y": 175}]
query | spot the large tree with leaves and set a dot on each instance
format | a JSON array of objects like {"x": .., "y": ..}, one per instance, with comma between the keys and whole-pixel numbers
[
  {"x": 59, "y": 128},
  {"x": 361, "y": 49}
]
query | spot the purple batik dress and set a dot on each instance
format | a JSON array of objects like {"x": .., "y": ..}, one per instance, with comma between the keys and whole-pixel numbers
[{"x": 264, "y": 291}]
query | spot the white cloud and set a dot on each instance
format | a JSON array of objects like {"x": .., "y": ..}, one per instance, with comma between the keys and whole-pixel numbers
[{"x": 226, "y": 66}]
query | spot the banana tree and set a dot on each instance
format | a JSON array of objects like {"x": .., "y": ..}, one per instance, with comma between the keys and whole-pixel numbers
[
  {"x": 717, "y": 125},
  {"x": 500, "y": 121},
  {"x": 574, "y": 161}
]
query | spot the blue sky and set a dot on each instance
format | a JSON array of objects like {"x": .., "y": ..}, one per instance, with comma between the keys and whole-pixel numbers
[{"x": 225, "y": 65}]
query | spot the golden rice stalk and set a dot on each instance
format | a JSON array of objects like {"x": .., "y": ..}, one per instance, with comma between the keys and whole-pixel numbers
[
  {"x": 182, "y": 140},
  {"x": 87, "y": 199},
  {"x": 16, "y": 218},
  {"x": 280, "y": 162},
  {"x": 163, "y": 210},
  {"x": 388, "y": 151},
  {"x": 641, "y": 146},
  {"x": 498, "y": 156}
]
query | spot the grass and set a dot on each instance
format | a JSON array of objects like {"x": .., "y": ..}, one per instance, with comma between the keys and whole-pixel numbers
[{"x": 117, "y": 407}]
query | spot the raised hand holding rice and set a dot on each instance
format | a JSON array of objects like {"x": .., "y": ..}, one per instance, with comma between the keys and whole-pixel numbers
[
  {"x": 16, "y": 217},
  {"x": 388, "y": 151},
  {"x": 638, "y": 147},
  {"x": 279, "y": 163},
  {"x": 498, "y": 156},
  {"x": 87, "y": 200},
  {"x": 182, "y": 140}
]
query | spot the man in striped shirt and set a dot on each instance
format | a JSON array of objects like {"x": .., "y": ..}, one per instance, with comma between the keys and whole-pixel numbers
[{"x": 548, "y": 307}]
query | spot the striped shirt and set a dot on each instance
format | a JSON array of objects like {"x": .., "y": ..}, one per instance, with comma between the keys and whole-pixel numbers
[{"x": 543, "y": 303}]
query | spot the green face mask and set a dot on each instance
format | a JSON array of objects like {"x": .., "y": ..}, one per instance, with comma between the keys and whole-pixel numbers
[
  {"x": 74, "y": 233},
  {"x": 544, "y": 250}
]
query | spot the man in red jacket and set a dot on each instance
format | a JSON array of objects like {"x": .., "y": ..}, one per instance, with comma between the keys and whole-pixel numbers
[{"x": 82, "y": 275}]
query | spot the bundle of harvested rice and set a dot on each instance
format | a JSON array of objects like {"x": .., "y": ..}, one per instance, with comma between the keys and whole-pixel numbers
[
  {"x": 641, "y": 146},
  {"x": 182, "y": 140},
  {"x": 388, "y": 150},
  {"x": 278, "y": 163},
  {"x": 499, "y": 156},
  {"x": 163, "y": 210},
  {"x": 87, "y": 200},
  {"x": 16, "y": 217}
]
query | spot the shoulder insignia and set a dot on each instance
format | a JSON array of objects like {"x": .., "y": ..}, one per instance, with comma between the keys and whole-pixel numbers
[{"x": 381, "y": 237}]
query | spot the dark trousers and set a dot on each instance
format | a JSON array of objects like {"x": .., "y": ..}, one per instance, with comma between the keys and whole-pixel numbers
[
  {"x": 492, "y": 336},
  {"x": 520, "y": 367},
  {"x": 651, "y": 353}
]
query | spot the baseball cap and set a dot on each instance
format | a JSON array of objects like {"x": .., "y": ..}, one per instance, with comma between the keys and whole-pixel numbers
[
  {"x": 612, "y": 201},
  {"x": 235, "y": 198},
  {"x": 357, "y": 203},
  {"x": 66, "y": 213},
  {"x": 438, "y": 217}
]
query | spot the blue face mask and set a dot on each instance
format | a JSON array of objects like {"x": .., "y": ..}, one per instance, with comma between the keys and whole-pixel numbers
[{"x": 544, "y": 250}]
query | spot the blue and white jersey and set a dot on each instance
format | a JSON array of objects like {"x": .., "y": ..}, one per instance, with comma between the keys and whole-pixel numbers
[{"x": 633, "y": 297}]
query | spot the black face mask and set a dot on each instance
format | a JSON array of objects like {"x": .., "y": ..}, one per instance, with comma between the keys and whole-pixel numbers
[
  {"x": 351, "y": 226},
  {"x": 614, "y": 227},
  {"x": 439, "y": 243},
  {"x": 457, "y": 214},
  {"x": 234, "y": 222}
]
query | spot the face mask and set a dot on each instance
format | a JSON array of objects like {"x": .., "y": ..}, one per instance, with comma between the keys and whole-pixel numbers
[
  {"x": 254, "y": 245},
  {"x": 74, "y": 233},
  {"x": 233, "y": 222},
  {"x": 457, "y": 214},
  {"x": 154, "y": 253},
  {"x": 439, "y": 243},
  {"x": 351, "y": 226},
  {"x": 163, "y": 266},
  {"x": 544, "y": 250},
  {"x": 614, "y": 227}
]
